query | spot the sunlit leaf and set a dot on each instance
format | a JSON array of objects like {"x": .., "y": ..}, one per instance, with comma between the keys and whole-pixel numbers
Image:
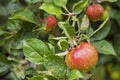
[
  {"x": 79, "y": 6},
  {"x": 51, "y": 9},
  {"x": 60, "y": 2},
  {"x": 35, "y": 50},
  {"x": 56, "y": 65},
  {"x": 74, "y": 74}
]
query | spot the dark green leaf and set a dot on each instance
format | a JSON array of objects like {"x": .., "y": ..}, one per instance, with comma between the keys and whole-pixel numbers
[
  {"x": 11, "y": 26},
  {"x": 24, "y": 14},
  {"x": 34, "y": 50},
  {"x": 1, "y": 31},
  {"x": 3, "y": 11},
  {"x": 104, "y": 47},
  {"x": 4, "y": 59},
  {"x": 79, "y": 6},
  {"x": 107, "y": 0},
  {"x": 12, "y": 7},
  {"x": 22, "y": 34},
  {"x": 102, "y": 31},
  {"x": 89, "y": 31},
  {"x": 4, "y": 68}
]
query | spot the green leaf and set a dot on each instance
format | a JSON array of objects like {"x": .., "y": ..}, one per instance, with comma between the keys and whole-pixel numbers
[
  {"x": 104, "y": 47},
  {"x": 67, "y": 29},
  {"x": 4, "y": 59},
  {"x": 74, "y": 74},
  {"x": 33, "y": 1},
  {"x": 12, "y": 7},
  {"x": 56, "y": 65},
  {"x": 44, "y": 77},
  {"x": 22, "y": 34},
  {"x": 87, "y": 76},
  {"x": 47, "y": 1},
  {"x": 63, "y": 44},
  {"x": 12, "y": 26},
  {"x": 4, "y": 68},
  {"x": 60, "y": 2},
  {"x": 89, "y": 31},
  {"x": 84, "y": 24},
  {"x": 24, "y": 14},
  {"x": 51, "y": 47},
  {"x": 107, "y": 0},
  {"x": 102, "y": 31},
  {"x": 51, "y": 9},
  {"x": 54, "y": 40},
  {"x": 1, "y": 31},
  {"x": 3, "y": 11},
  {"x": 35, "y": 50},
  {"x": 79, "y": 6},
  {"x": 37, "y": 78}
]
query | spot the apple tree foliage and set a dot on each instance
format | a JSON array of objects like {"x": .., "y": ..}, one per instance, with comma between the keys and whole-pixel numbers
[{"x": 30, "y": 53}]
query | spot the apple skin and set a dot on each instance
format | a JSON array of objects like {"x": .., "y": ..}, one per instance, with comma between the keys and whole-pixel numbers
[
  {"x": 82, "y": 57},
  {"x": 51, "y": 23},
  {"x": 94, "y": 12}
]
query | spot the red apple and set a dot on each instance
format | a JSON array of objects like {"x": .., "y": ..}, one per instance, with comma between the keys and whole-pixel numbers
[
  {"x": 94, "y": 12},
  {"x": 82, "y": 57},
  {"x": 51, "y": 23}
]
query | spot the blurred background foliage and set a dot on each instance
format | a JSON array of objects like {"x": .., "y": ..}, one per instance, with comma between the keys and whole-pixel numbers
[{"x": 12, "y": 63}]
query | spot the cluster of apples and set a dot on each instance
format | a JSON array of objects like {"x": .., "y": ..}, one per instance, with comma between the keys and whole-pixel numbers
[{"x": 84, "y": 56}]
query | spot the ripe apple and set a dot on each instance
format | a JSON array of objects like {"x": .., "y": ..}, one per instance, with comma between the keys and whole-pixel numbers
[
  {"x": 51, "y": 23},
  {"x": 94, "y": 12},
  {"x": 82, "y": 57}
]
